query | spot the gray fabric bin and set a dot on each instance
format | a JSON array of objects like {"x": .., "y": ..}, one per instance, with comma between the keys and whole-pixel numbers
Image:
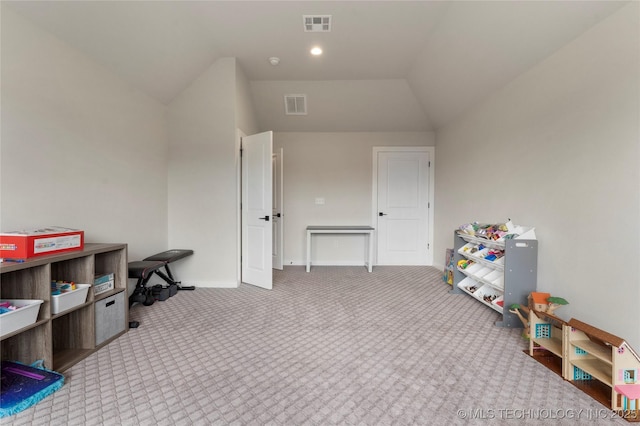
[{"x": 109, "y": 317}]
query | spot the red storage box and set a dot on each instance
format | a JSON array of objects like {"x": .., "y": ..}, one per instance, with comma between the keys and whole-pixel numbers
[{"x": 21, "y": 245}]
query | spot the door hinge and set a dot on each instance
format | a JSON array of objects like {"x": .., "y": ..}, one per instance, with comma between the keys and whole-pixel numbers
[
  {"x": 428, "y": 205},
  {"x": 429, "y": 163}
]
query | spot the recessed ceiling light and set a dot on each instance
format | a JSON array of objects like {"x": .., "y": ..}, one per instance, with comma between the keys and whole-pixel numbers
[
  {"x": 316, "y": 51},
  {"x": 274, "y": 60}
]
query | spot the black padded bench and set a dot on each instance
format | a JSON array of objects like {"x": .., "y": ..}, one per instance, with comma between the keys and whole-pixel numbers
[
  {"x": 167, "y": 257},
  {"x": 143, "y": 270}
]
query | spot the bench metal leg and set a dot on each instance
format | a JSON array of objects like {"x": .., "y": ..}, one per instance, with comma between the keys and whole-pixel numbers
[{"x": 168, "y": 277}]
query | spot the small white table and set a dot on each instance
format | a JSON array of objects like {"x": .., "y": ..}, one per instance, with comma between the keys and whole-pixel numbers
[{"x": 342, "y": 230}]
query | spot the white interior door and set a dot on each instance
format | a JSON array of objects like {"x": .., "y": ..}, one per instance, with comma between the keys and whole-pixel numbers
[
  {"x": 403, "y": 207},
  {"x": 278, "y": 215},
  {"x": 257, "y": 232}
]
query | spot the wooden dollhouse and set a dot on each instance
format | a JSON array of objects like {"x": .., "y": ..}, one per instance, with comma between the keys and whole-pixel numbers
[
  {"x": 599, "y": 363},
  {"x": 593, "y": 354}
]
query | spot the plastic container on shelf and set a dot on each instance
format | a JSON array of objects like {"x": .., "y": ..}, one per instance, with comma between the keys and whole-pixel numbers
[
  {"x": 495, "y": 279},
  {"x": 483, "y": 271},
  {"x": 480, "y": 254},
  {"x": 498, "y": 283},
  {"x": 493, "y": 275},
  {"x": 487, "y": 294},
  {"x": 499, "y": 261},
  {"x": 525, "y": 233},
  {"x": 499, "y": 301},
  {"x": 472, "y": 269},
  {"x": 66, "y": 301},
  {"x": 467, "y": 248},
  {"x": 469, "y": 285},
  {"x": 25, "y": 315},
  {"x": 521, "y": 232}
]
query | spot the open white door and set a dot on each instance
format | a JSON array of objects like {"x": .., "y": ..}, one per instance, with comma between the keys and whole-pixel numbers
[
  {"x": 257, "y": 232},
  {"x": 278, "y": 216}
]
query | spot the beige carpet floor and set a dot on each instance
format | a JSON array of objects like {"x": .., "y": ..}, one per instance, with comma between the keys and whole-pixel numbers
[{"x": 336, "y": 346}]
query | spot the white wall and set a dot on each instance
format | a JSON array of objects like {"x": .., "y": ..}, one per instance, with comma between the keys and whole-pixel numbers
[
  {"x": 246, "y": 119},
  {"x": 336, "y": 167},
  {"x": 202, "y": 177},
  {"x": 341, "y": 106},
  {"x": 80, "y": 148},
  {"x": 558, "y": 149}
]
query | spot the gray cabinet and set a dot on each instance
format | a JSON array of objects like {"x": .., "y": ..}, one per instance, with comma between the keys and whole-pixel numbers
[{"x": 501, "y": 282}]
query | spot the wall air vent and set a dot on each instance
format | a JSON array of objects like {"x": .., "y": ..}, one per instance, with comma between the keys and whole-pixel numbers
[
  {"x": 295, "y": 104},
  {"x": 317, "y": 23}
]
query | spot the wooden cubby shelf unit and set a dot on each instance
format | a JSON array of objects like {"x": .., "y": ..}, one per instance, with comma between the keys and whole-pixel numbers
[{"x": 61, "y": 340}]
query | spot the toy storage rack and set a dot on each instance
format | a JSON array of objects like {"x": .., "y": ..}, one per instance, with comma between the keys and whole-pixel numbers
[
  {"x": 511, "y": 277},
  {"x": 60, "y": 340}
]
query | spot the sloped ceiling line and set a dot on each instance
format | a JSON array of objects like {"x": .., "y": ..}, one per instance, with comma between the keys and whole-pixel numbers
[{"x": 387, "y": 65}]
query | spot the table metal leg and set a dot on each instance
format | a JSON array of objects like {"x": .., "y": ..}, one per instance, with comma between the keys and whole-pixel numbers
[
  {"x": 370, "y": 265},
  {"x": 308, "y": 251}
]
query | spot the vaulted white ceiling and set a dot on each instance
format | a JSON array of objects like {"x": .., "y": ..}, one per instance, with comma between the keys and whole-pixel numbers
[{"x": 387, "y": 65}]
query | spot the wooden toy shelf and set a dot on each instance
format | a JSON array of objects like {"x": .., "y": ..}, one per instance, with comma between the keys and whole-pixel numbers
[
  {"x": 505, "y": 281},
  {"x": 600, "y": 364},
  {"x": 63, "y": 339}
]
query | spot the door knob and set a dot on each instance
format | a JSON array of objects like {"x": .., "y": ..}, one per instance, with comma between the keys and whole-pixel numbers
[
  {"x": 382, "y": 214},
  {"x": 277, "y": 215},
  {"x": 264, "y": 218}
]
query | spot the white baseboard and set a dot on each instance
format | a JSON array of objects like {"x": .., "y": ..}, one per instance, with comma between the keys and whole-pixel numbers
[
  {"x": 326, "y": 263},
  {"x": 212, "y": 284}
]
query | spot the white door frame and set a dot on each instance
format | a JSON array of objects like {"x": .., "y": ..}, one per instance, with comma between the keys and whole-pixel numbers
[
  {"x": 374, "y": 193},
  {"x": 278, "y": 206},
  {"x": 239, "y": 135}
]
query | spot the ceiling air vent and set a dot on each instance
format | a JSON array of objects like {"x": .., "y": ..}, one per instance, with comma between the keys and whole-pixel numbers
[
  {"x": 295, "y": 104},
  {"x": 317, "y": 23}
]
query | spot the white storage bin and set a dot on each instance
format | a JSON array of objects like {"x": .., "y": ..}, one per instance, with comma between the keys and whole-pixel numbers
[
  {"x": 498, "y": 282},
  {"x": 26, "y": 314},
  {"x": 472, "y": 269},
  {"x": 480, "y": 254},
  {"x": 482, "y": 272},
  {"x": 466, "y": 249},
  {"x": 468, "y": 285},
  {"x": 489, "y": 292},
  {"x": 499, "y": 261},
  {"x": 494, "y": 275},
  {"x": 525, "y": 233},
  {"x": 499, "y": 302},
  {"x": 65, "y": 301}
]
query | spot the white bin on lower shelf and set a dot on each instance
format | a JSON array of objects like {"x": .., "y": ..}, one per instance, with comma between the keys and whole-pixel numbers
[
  {"x": 499, "y": 302},
  {"x": 469, "y": 285},
  {"x": 65, "y": 301},
  {"x": 26, "y": 314},
  {"x": 488, "y": 295}
]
